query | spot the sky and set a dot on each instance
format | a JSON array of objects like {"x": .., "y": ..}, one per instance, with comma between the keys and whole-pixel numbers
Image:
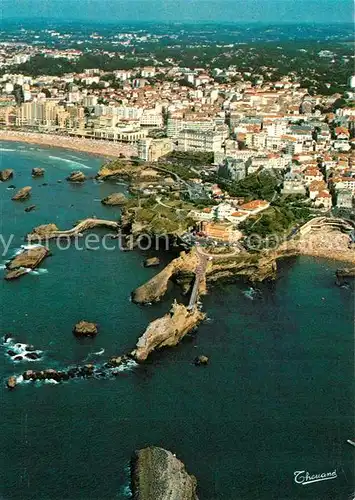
[{"x": 238, "y": 11}]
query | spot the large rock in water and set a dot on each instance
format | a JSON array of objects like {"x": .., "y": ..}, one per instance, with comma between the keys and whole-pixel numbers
[
  {"x": 38, "y": 172},
  {"x": 76, "y": 176},
  {"x": 22, "y": 194},
  {"x": 28, "y": 259},
  {"x": 156, "y": 474},
  {"x": 6, "y": 174},
  {"x": 85, "y": 329},
  {"x": 152, "y": 262},
  {"x": 114, "y": 199},
  {"x": 11, "y": 382},
  {"x": 167, "y": 331},
  {"x": 42, "y": 232}
]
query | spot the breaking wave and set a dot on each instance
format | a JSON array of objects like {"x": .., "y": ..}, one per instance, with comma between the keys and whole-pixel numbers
[{"x": 74, "y": 164}]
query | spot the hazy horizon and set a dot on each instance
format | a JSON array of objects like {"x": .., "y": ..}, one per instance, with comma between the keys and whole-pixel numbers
[{"x": 181, "y": 11}]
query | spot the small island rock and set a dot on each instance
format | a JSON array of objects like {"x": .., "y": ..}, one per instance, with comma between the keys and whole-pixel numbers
[
  {"x": 76, "y": 176},
  {"x": 152, "y": 262},
  {"x": 38, "y": 172},
  {"x": 6, "y": 174},
  {"x": 22, "y": 194},
  {"x": 201, "y": 360},
  {"x": 85, "y": 329},
  {"x": 11, "y": 382}
]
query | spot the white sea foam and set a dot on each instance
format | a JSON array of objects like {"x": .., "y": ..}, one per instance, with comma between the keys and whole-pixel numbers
[
  {"x": 20, "y": 347},
  {"x": 19, "y": 379},
  {"x": 74, "y": 164},
  {"x": 51, "y": 381},
  {"x": 100, "y": 352},
  {"x": 129, "y": 366},
  {"x": 38, "y": 272},
  {"x": 126, "y": 491},
  {"x": 7, "y": 149},
  {"x": 22, "y": 248},
  {"x": 2, "y": 266}
]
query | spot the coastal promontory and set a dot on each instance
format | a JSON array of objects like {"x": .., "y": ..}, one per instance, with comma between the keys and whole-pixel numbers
[
  {"x": 114, "y": 199},
  {"x": 158, "y": 474}
]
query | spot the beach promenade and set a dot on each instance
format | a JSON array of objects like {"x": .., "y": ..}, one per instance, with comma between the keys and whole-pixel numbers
[{"x": 91, "y": 146}]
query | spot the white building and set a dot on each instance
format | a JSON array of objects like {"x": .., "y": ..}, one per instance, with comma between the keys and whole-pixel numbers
[{"x": 196, "y": 140}]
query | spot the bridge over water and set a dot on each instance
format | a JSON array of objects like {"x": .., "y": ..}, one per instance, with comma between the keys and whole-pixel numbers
[{"x": 199, "y": 275}]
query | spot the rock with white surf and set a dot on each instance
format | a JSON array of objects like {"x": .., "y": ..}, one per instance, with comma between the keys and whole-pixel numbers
[{"x": 29, "y": 259}]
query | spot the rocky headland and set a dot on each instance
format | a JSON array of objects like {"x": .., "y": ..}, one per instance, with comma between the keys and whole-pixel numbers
[
  {"x": 156, "y": 287},
  {"x": 122, "y": 169},
  {"x": 114, "y": 199},
  {"x": 255, "y": 267},
  {"x": 156, "y": 474}
]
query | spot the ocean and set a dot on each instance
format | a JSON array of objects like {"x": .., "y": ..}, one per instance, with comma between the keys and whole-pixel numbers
[{"x": 277, "y": 397}]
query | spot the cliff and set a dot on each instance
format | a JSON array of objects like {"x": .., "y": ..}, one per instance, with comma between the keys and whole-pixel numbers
[
  {"x": 156, "y": 287},
  {"x": 118, "y": 168},
  {"x": 156, "y": 474},
  {"x": 167, "y": 331},
  {"x": 255, "y": 267}
]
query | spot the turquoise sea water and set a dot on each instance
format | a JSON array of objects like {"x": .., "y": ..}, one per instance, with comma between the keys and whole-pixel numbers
[{"x": 277, "y": 396}]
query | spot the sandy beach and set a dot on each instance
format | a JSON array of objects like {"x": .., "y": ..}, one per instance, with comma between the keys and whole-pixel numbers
[{"x": 95, "y": 147}]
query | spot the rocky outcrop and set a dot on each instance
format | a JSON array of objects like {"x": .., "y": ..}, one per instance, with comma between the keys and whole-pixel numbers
[
  {"x": 6, "y": 174},
  {"x": 85, "y": 329},
  {"x": 114, "y": 199},
  {"x": 156, "y": 287},
  {"x": 343, "y": 275},
  {"x": 15, "y": 274},
  {"x": 201, "y": 360},
  {"x": 30, "y": 208},
  {"x": 50, "y": 231},
  {"x": 22, "y": 194},
  {"x": 76, "y": 176},
  {"x": 11, "y": 382},
  {"x": 167, "y": 331},
  {"x": 38, "y": 172},
  {"x": 348, "y": 272},
  {"x": 28, "y": 259},
  {"x": 152, "y": 262},
  {"x": 122, "y": 169},
  {"x": 255, "y": 267},
  {"x": 42, "y": 232},
  {"x": 156, "y": 474}
]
